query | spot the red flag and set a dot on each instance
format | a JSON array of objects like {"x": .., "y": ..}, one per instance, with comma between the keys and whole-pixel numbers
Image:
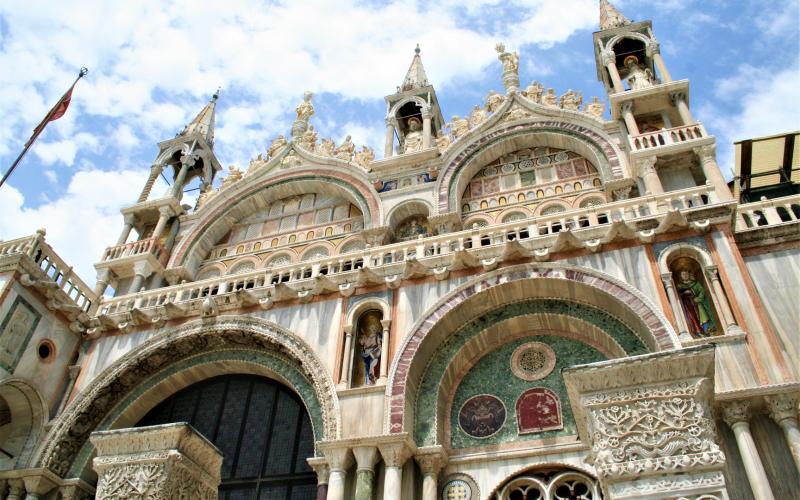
[{"x": 56, "y": 111}]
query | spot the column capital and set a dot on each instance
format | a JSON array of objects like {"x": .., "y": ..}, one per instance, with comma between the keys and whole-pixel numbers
[
  {"x": 321, "y": 468},
  {"x": 646, "y": 165},
  {"x": 677, "y": 95},
  {"x": 338, "y": 455},
  {"x": 348, "y": 330},
  {"x": 431, "y": 459},
  {"x": 652, "y": 48},
  {"x": 666, "y": 278},
  {"x": 129, "y": 219},
  {"x": 427, "y": 113},
  {"x": 166, "y": 211},
  {"x": 782, "y": 407},
  {"x": 366, "y": 457},
  {"x": 143, "y": 268},
  {"x": 16, "y": 487},
  {"x": 391, "y": 121},
  {"x": 607, "y": 56},
  {"x": 736, "y": 412},
  {"x": 396, "y": 450},
  {"x": 706, "y": 152},
  {"x": 626, "y": 107},
  {"x": 711, "y": 272},
  {"x": 386, "y": 323}
]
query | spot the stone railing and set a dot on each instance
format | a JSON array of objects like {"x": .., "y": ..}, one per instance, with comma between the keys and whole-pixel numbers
[
  {"x": 146, "y": 246},
  {"x": 768, "y": 212},
  {"x": 667, "y": 137},
  {"x": 537, "y": 237},
  {"x": 57, "y": 274}
]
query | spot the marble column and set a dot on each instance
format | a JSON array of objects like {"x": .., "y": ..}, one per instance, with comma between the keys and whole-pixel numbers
[
  {"x": 679, "y": 100},
  {"x": 126, "y": 229},
  {"x": 339, "y": 460},
  {"x": 164, "y": 214},
  {"x": 654, "y": 51},
  {"x": 385, "y": 351},
  {"x": 783, "y": 410},
  {"x": 394, "y": 456},
  {"x": 141, "y": 270},
  {"x": 16, "y": 489},
  {"x": 426, "y": 128},
  {"x": 3, "y": 488},
  {"x": 649, "y": 175},
  {"x": 366, "y": 458},
  {"x": 708, "y": 161},
  {"x": 160, "y": 461},
  {"x": 712, "y": 273},
  {"x": 344, "y": 377},
  {"x": 103, "y": 277},
  {"x": 177, "y": 188},
  {"x": 155, "y": 170},
  {"x": 388, "y": 149},
  {"x": 610, "y": 62},
  {"x": 431, "y": 460},
  {"x": 630, "y": 121},
  {"x": 737, "y": 415},
  {"x": 323, "y": 470},
  {"x": 675, "y": 304}
]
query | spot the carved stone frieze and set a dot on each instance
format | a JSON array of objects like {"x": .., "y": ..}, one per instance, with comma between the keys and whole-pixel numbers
[{"x": 656, "y": 487}]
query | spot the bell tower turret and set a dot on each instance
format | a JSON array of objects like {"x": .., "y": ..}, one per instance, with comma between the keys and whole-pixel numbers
[
  {"x": 668, "y": 148},
  {"x": 413, "y": 115},
  {"x": 188, "y": 156}
]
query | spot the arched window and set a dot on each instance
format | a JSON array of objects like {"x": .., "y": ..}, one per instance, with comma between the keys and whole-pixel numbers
[
  {"x": 260, "y": 426},
  {"x": 550, "y": 485}
]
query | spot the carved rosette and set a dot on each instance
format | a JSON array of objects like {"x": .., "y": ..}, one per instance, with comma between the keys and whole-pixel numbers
[{"x": 654, "y": 429}]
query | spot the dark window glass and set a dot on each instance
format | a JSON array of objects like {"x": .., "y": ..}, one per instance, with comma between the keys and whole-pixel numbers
[{"x": 261, "y": 427}]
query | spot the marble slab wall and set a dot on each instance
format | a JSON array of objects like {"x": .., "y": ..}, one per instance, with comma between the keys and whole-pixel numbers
[{"x": 630, "y": 265}]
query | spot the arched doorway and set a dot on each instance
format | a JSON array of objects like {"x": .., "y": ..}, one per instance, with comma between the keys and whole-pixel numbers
[
  {"x": 550, "y": 484},
  {"x": 261, "y": 427}
]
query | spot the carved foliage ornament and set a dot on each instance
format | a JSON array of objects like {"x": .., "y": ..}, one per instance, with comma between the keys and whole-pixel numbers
[
  {"x": 84, "y": 415},
  {"x": 664, "y": 428}
]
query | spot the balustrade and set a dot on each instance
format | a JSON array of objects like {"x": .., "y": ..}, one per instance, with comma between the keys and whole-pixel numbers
[
  {"x": 768, "y": 212},
  {"x": 140, "y": 247},
  {"x": 666, "y": 137}
]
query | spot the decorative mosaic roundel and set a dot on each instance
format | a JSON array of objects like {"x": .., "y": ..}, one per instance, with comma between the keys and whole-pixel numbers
[
  {"x": 533, "y": 361},
  {"x": 457, "y": 490},
  {"x": 482, "y": 416}
]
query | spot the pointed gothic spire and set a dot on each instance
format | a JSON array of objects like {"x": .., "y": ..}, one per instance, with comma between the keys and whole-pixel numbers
[
  {"x": 610, "y": 17},
  {"x": 415, "y": 77},
  {"x": 203, "y": 123}
]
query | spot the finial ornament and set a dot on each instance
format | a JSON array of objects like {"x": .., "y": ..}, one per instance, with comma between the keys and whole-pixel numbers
[
  {"x": 610, "y": 17},
  {"x": 417, "y": 50},
  {"x": 510, "y": 62}
]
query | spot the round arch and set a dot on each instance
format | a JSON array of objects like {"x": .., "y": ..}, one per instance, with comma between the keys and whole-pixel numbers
[
  {"x": 174, "y": 359},
  {"x": 22, "y": 419},
  {"x": 474, "y": 299},
  {"x": 463, "y": 163},
  {"x": 548, "y": 475},
  {"x": 220, "y": 214}
]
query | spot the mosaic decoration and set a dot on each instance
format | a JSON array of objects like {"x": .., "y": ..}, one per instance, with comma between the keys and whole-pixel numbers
[
  {"x": 16, "y": 331},
  {"x": 413, "y": 227},
  {"x": 538, "y": 409},
  {"x": 533, "y": 361},
  {"x": 459, "y": 487},
  {"x": 482, "y": 416}
]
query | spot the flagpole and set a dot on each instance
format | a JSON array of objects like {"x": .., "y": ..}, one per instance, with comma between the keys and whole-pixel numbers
[{"x": 39, "y": 130}]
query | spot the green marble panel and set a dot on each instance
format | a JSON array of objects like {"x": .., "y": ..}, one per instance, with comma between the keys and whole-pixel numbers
[
  {"x": 424, "y": 431},
  {"x": 493, "y": 375}
]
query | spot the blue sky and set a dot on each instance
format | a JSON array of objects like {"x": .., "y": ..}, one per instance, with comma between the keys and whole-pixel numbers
[{"x": 153, "y": 65}]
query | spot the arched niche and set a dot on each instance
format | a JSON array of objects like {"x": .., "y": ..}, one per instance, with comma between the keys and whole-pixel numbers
[
  {"x": 409, "y": 220},
  {"x": 698, "y": 299},
  {"x": 23, "y": 413},
  {"x": 126, "y": 391},
  {"x": 463, "y": 163},
  {"x": 473, "y": 300},
  {"x": 550, "y": 481},
  {"x": 219, "y": 216},
  {"x": 358, "y": 337}
]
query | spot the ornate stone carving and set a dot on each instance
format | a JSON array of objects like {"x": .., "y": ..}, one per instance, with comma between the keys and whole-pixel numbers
[
  {"x": 365, "y": 157},
  {"x": 494, "y": 101},
  {"x": 477, "y": 116},
  {"x": 652, "y": 429},
  {"x": 571, "y": 100},
  {"x": 443, "y": 142},
  {"x": 550, "y": 99},
  {"x": 277, "y": 144},
  {"x": 84, "y": 415},
  {"x": 326, "y": 148},
  {"x": 782, "y": 407},
  {"x": 735, "y": 412},
  {"x": 346, "y": 150},
  {"x": 234, "y": 175},
  {"x": 667, "y": 485},
  {"x": 458, "y": 127},
  {"x": 534, "y": 92},
  {"x": 510, "y": 62},
  {"x": 595, "y": 108},
  {"x": 308, "y": 140}
]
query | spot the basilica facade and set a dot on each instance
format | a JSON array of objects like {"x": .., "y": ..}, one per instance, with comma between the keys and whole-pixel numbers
[{"x": 543, "y": 299}]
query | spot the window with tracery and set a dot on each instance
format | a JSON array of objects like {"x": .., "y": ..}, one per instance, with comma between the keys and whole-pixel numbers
[
  {"x": 550, "y": 485},
  {"x": 261, "y": 427}
]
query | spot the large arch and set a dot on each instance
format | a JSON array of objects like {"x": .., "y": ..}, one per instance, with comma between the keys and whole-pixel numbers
[
  {"x": 23, "y": 416},
  {"x": 463, "y": 163},
  {"x": 219, "y": 215},
  {"x": 123, "y": 393},
  {"x": 473, "y": 300}
]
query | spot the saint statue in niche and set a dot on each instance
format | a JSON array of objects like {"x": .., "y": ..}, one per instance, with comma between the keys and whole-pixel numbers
[
  {"x": 412, "y": 227},
  {"x": 694, "y": 298},
  {"x": 638, "y": 76},
  {"x": 413, "y": 138},
  {"x": 370, "y": 341}
]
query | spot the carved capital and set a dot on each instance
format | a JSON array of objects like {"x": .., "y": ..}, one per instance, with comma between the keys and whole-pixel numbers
[
  {"x": 708, "y": 152},
  {"x": 321, "y": 468},
  {"x": 386, "y": 323},
  {"x": 166, "y": 211},
  {"x": 391, "y": 121},
  {"x": 666, "y": 278},
  {"x": 676, "y": 96},
  {"x": 396, "y": 453},
  {"x": 782, "y": 407},
  {"x": 16, "y": 487},
  {"x": 736, "y": 412},
  {"x": 608, "y": 57},
  {"x": 129, "y": 219},
  {"x": 646, "y": 165},
  {"x": 626, "y": 107},
  {"x": 366, "y": 457},
  {"x": 339, "y": 457},
  {"x": 427, "y": 113},
  {"x": 143, "y": 268},
  {"x": 431, "y": 459},
  {"x": 712, "y": 273}
]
